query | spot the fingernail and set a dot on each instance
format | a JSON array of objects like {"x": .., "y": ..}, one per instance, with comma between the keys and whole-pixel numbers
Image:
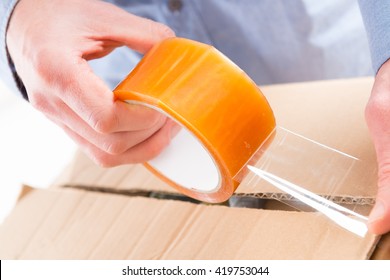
[
  {"x": 377, "y": 213},
  {"x": 175, "y": 130}
]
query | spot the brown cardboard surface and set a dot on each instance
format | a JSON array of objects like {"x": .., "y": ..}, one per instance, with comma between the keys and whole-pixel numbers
[
  {"x": 74, "y": 224},
  {"x": 330, "y": 112},
  {"x": 382, "y": 250},
  {"x": 90, "y": 224}
]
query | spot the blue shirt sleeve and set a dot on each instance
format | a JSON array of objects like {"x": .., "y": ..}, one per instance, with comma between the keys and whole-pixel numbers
[
  {"x": 7, "y": 71},
  {"x": 376, "y": 17}
]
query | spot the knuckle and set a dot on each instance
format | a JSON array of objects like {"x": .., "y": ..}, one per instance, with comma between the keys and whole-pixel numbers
[
  {"x": 378, "y": 106},
  {"x": 104, "y": 160},
  {"x": 154, "y": 119},
  {"x": 43, "y": 63},
  {"x": 115, "y": 147},
  {"x": 39, "y": 102},
  {"x": 102, "y": 122},
  {"x": 155, "y": 148}
]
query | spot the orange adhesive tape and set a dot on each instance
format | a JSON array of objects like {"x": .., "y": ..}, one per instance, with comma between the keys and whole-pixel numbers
[{"x": 224, "y": 116}]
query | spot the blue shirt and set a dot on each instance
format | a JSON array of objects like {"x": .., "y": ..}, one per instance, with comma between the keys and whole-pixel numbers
[
  {"x": 273, "y": 41},
  {"x": 376, "y": 16},
  {"x": 6, "y": 69}
]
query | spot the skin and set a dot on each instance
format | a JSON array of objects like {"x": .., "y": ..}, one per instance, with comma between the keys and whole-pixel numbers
[
  {"x": 50, "y": 51},
  {"x": 60, "y": 84},
  {"x": 378, "y": 121}
]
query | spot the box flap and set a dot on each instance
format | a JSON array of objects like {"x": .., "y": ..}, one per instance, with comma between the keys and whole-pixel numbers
[
  {"x": 330, "y": 112},
  {"x": 73, "y": 224},
  {"x": 382, "y": 250}
]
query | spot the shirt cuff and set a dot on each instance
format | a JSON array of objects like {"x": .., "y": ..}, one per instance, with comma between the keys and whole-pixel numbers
[
  {"x": 377, "y": 22},
  {"x": 7, "y": 69}
]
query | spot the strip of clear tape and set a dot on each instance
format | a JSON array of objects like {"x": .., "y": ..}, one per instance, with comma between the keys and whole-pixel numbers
[{"x": 310, "y": 176}]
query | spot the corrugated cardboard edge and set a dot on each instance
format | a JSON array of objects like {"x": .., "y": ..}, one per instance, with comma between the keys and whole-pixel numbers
[
  {"x": 345, "y": 122},
  {"x": 83, "y": 173},
  {"x": 74, "y": 224}
]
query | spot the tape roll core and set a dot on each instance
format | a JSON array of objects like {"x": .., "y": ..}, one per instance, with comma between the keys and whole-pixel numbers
[
  {"x": 224, "y": 115},
  {"x": 202, "y": 174},
  {"x": 188, "y": 163}
]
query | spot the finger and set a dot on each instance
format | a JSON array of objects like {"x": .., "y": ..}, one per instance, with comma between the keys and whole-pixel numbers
[
  {"x": 138, "y": 33},
  {"x": 112, "y": 143},
  {"x": 140, "y": 153},
  {"x": 93, "y": 102},
  {"x": 379, "y": 219}
]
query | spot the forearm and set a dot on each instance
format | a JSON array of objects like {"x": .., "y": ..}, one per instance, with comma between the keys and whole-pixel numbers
[
  {"x": 377, "y": 22},
  {"x": 7, "y": 72}
]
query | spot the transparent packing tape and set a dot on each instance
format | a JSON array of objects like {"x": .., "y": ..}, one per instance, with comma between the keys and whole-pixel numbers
[
  {"x": 308, "y": 176},
  {"x": 227, "y": 126}
]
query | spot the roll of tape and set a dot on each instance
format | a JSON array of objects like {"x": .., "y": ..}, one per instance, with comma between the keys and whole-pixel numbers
[{"x": 224, "y": 116}]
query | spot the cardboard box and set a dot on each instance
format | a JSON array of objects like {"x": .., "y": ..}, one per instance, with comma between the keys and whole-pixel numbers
[
  {"x": 97, "y": 213},
  {"x": 329, "y": 112}
]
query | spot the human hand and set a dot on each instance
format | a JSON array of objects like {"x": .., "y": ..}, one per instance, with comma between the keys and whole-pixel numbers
[
  {"x": 378, "y": 120},
  {"x": 50, "y": 42}
]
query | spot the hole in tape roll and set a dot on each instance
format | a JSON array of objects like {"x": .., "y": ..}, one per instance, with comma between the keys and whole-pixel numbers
[{"x": 185, "y": 161}]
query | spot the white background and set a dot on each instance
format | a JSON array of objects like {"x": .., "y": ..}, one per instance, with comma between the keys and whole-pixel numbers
[{"x": 33, "y": 150}]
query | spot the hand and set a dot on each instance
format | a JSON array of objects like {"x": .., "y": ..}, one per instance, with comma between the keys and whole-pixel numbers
[
  {"x": 50, "y": 42},
  {"x": 378, "y": 120}
]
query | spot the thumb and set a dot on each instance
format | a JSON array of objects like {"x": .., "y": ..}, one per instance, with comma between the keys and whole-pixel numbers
[
  {"x": 378, "y": 121},
  {"x": 379, "y": 219},
  {"x": 137, "y": 33}
]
